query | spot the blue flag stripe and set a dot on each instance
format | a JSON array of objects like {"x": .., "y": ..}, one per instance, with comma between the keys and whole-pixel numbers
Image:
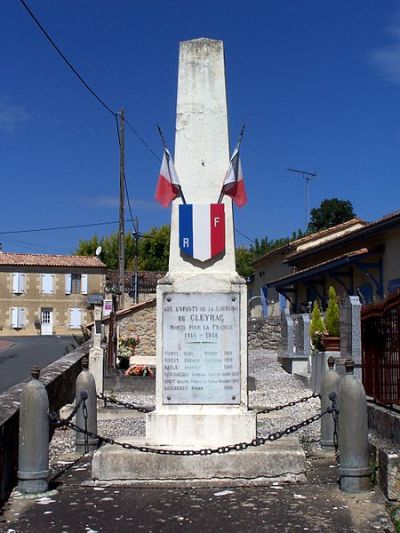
[{"x": 186, "y": 229}]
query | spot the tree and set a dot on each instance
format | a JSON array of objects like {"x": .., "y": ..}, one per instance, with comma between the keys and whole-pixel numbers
[
  {"x": 109, "y": 249},
  {"x": 244, "y": 257},
  {"x": 332, "y": 318},
  {"x": 153, "y": 249},
  {"x": 330, "y": 213}
]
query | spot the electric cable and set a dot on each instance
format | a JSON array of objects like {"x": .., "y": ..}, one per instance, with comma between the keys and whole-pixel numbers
[{"x": 82, "y": 80}]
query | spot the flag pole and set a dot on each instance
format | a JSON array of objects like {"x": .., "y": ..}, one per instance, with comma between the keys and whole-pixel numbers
[
  {"x": 166, "y": 152},
  {"x": 221, "y": 195}
]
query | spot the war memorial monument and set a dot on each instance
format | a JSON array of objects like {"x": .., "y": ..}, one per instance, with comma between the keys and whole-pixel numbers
[{"x": 201, "y": 379}]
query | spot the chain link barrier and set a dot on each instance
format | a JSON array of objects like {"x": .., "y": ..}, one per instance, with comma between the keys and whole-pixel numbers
[
  {"x": 289, "y": 404},
  {"x": 54, "y": 419},
  {"x": 66, "y": 423},
  {"x": 127, "y": 405},
  {"x": 142, "y": 409},
  {"x": 335, "y": 415},
  {"x": 258, "y": 441}
]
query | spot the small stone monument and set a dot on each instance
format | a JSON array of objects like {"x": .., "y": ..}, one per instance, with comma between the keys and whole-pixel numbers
[
  {"x": 96, "y": 352},
  {"x": 350, "y": 332}
]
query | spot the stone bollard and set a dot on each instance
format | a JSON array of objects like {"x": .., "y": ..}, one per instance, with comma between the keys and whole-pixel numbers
[
  {"x": 353, "y": 433},
  {"x": 86, "y": 417},
  {"x": 329, "y": 384},
  {"x": 33, "y": 451}
]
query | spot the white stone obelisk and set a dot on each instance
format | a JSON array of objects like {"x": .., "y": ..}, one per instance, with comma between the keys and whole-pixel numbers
[{"x": 201, "y": 387}]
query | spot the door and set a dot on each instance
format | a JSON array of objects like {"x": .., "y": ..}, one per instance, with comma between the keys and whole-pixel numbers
[{"x": 47, "y": 322}]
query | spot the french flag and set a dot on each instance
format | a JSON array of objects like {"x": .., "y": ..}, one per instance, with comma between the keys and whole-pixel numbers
[
  {"x": 233, "y": 185},
  {"x": 202, "y": 230},
  {"x": 168, "y": 186}
]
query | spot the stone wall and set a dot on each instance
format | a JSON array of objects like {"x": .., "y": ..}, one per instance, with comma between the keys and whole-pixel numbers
[
  {"x": 59, "y": 379},
  {"x": 264, "y": 333},
  {"x": 141, "y": 321}
]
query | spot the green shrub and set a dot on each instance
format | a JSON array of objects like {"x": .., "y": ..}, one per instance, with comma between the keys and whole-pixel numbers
[
  {"x": 317, "y": 329},
  {"x": 332, "y": 320}
]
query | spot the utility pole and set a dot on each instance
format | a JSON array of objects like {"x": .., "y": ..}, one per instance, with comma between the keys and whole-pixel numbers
[
  {"x": 306, "y": 177},
  {"x": 121, "y": 231},
  {"x": 136, "y": 259}
]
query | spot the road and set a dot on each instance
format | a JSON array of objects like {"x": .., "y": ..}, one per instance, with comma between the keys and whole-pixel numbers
[{"x": 19, "y": 354}]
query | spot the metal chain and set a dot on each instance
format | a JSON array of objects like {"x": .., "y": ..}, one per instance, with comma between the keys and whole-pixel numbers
[
  {"x": 127, "y": 405},
  {"x": 335, "y": 415},
  {"x": 85, "y": 418},
  {"x": 258, "y": 441},
  {"x": 54, "y": 419},
  {"x": 142, "y": 409},
  {"x": 289, "y": 404}
]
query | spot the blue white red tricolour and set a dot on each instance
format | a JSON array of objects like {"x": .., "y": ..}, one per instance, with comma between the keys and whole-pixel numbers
[{"x": 202, "y": 230}]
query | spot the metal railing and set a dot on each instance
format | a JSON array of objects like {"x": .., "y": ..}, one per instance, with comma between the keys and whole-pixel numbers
[{"x": 380, "y": 333}]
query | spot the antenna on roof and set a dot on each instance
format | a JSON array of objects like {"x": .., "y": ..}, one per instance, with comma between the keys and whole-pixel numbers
[{"x": 307, "y": 176}]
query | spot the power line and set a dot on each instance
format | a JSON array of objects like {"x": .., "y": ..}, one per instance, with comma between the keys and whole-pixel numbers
[
  {"x": 66, "y": 61},
  {"x": 81, "y": 79},
  {"x": 142, "y": 140},
  {"x": 245, "y": 236},
  {"x": 54, "y": 228}
]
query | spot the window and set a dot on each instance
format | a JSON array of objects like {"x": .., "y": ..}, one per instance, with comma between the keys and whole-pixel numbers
[
  {"x": 75, "y": 318},
  {"x": 18, "y": 282},
  {"x": 47, "y": 283},
  {"x": 76, "y": 283},
  {"x": 17, "y": 317}
]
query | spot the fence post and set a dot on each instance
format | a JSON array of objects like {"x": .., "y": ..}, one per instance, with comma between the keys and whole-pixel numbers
[
  {"x": 353, "y": 433},
  {"x": 33, "y": 451},
  {"x": 329, "y": 384},
  {"x": 86, "y": 417}
]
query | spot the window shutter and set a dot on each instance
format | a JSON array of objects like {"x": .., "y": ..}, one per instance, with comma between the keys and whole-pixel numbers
[
  {"x": 68, "y": 283},
  {"x": 18, "y": 282},
  {"x": 84, "y": 283},
  {"x": 22, "y": 282},
  {"x": 75, "y": 318},
  {"x": 15, "y": 283},
  {"x": 47, "y": 283},
  {"x": 14, "y": 317},
  {"x": 21, "y": 317}
]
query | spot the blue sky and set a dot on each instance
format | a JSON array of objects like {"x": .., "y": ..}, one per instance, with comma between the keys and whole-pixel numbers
[{"x": 317, "y": 83}]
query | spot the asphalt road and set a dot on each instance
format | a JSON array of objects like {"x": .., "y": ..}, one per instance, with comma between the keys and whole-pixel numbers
[{"x": 17, "y": 359}]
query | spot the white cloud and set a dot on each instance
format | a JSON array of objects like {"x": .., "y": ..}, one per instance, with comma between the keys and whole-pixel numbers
[
  {"x": 386, "y": 60},
  {"x": 11, "y": 115}
]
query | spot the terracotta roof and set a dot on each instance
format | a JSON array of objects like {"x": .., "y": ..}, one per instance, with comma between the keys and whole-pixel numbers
[
  {"x": 45, "y": 260},
  {"x": 348, "y": 255},
  {"x": 292, "y": 245},
  {"x": 122, "y": 313},
  {"x": 365, "y": 230}
]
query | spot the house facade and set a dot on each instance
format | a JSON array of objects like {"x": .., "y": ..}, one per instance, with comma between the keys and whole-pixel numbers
[
  {"x": 44, "y": 294},
  {"x": 356, "y": 258}
]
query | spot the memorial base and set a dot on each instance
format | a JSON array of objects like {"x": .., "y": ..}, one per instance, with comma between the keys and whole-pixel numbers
[
  {"x": 200, "y": 427},
  {"x": 283, "y": 460}
]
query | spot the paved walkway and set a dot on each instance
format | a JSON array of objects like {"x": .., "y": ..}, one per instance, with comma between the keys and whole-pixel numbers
[{"x": 315, "y": 506}]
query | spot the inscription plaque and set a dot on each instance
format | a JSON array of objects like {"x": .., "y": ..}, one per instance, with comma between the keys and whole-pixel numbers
[{"x": 201, "y": 348}]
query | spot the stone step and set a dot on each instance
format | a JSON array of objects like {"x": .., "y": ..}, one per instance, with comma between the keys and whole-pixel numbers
[{"x": 283, "y": 460}]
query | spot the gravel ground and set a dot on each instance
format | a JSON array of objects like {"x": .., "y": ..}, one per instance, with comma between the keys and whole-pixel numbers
[{"x": 274, "y": 386}]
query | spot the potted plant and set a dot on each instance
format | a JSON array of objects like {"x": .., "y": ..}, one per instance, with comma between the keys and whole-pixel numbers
[
  {"x": 332, "y": 322},
  {"x": 126, "y": 349}
]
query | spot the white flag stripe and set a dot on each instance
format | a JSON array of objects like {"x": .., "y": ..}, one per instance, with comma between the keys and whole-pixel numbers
[
  {"x": 168, "y": 168},
  {"x": 201, "y": 231}
]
